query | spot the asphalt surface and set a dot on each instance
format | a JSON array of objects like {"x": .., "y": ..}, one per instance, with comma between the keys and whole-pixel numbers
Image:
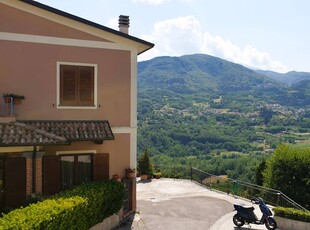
[{"x": 169, "y": 204}]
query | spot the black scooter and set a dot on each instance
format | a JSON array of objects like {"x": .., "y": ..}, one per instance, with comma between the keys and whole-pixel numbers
[{"x": 246, "y": 214}]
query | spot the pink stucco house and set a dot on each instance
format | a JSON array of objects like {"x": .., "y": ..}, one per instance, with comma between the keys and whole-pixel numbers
[{"x": 78, "y": 121}]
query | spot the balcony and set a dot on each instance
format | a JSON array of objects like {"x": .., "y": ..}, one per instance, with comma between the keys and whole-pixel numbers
[{"x": 7, "y": 112}]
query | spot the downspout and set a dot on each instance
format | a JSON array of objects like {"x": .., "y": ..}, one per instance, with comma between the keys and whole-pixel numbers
[{"x": 34, "y": 157}]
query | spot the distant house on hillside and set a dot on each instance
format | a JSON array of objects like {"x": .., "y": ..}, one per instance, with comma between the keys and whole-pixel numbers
[
  {"x": 78, "y": 122},
  {"x": 218, "y": 100}
]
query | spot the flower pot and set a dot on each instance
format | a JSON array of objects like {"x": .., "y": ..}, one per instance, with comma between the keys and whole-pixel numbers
[
  {"x": 143, "y": 177},
  {"x": 157, "y": 176},
  {"x": 17, "y": 101},
  {"x": 131, "y": 176}
]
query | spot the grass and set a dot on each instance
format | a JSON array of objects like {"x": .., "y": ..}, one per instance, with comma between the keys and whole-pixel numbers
[{"x": 301, "y": 144}]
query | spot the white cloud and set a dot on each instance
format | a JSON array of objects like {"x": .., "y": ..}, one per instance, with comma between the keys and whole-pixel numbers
[{"x": 184, "y": 35}]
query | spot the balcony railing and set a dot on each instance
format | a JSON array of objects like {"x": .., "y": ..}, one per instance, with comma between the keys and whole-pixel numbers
[{"x": 7, "y": 109}]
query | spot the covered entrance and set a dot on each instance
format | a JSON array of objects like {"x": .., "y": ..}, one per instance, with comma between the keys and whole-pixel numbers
[
  {"x": 29, "y": 172},
  {"x": 12, "y": 183}
]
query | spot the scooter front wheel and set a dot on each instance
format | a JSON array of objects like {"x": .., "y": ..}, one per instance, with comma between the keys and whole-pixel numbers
[
  {"x": 238, "y": 220},
  {"x": 271, "y": 224}
]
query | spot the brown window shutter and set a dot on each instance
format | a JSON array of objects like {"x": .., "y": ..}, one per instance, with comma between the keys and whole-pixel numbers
[
  {"x": 51, "y": 175},
  {"x": 15, "y": 182},
  {"x": 68, "y": 85},
  {"x": 100, "y": 166},
  {"x": 86, "y": 85},
  {"x": 77, "y": 85}
]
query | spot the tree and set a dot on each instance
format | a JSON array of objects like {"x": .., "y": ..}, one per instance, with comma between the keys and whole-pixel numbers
[
  {"x": 288, "y": 170},
  {"x": 144, "y": 165},
  {"x": 266, "y": 114},
  {"x": 259, "y": 179}
]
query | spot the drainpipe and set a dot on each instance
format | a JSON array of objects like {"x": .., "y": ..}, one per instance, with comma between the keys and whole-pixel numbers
[{"x": 34, "y": 157}]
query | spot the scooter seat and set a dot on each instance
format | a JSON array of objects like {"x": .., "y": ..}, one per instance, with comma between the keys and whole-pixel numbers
[{"x": 249, "y": 208}]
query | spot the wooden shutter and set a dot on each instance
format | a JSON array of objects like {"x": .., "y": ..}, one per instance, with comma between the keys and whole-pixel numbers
[
  {"x": 100, "y": 166},
  {"x": 51, "y": 175},
  {"x": 68, "y": 85},
  {"x": 86, "y": 85},
  {"x": 77, "y": 85},
  {"x": 15, "y": 182}
]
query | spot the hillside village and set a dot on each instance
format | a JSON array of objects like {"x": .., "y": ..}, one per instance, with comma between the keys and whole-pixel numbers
[
  {"x": 72, "y": 148},
  {"x": 203, "y": 109}
]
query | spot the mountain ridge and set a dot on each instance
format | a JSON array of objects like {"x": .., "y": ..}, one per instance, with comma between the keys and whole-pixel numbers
[
  {"x": 209, "y": 76},
  {"x": 207, "y": 112},
  {"x": 289, "y": 78}
]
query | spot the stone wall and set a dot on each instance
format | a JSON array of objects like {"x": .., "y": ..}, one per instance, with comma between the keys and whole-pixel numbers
[{"x": 107, "y": 224}]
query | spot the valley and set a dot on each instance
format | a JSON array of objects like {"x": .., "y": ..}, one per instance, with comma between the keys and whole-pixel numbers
[{"x": 205, "y": 112}]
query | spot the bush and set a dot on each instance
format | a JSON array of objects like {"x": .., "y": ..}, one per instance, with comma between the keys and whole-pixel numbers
[
  {"x": 291, "y": 213},
  {"x": 144, "y": 164},
  {"x": 288, "y": 170},
  {"x": 79, "y": 208}
]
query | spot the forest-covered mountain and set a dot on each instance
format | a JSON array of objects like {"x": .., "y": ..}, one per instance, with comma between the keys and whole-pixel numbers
[
  {"x": 219, "y": 116},
  {"x": 289, "y": 78}
]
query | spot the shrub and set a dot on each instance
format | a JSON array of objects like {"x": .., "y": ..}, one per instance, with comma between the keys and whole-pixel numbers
[
  {"x": 144, "y": 164},
  {"x": 79, "y": 208},
  {"x": 288, "y": 170},
  {"x": 291, "y": 213}
]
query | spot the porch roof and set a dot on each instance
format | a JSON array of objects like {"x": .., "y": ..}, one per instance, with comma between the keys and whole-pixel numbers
[{"x": 31, "y": 133}]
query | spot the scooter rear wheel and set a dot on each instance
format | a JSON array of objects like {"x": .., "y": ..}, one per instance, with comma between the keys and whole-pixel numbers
[
  {"x": 238, "y": 220},
  {"x": 271, "y": 224}
]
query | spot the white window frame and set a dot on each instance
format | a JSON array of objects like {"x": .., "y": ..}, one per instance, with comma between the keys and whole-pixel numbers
[{"x": 95, "y": 85}]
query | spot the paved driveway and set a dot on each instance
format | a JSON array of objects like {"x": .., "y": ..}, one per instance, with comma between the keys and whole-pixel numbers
[{"x": 182, "y": 205}]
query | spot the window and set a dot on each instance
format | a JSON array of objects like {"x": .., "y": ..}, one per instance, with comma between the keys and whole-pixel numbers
[
  {"x": 75, "y": 170},
  {"x": 77, "y": 85},
  {"x": 70, "y": 168}
]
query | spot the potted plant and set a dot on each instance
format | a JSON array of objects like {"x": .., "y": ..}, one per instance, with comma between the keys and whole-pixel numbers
[
  {"x": 17, "y": 99},
  {"x": 130, "y": 173},
  {"x": 116, "y": 177},
  {"x": 157, "y": 172},
  {"x": 144, "y": 165},
  {"x": 157, "y": 175}
]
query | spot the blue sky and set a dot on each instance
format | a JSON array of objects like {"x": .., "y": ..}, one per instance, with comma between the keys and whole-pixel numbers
[{"x": 264, "y": 34}]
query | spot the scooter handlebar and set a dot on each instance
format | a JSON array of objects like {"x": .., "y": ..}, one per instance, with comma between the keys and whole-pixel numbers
[{"x": 255, "y": 200}]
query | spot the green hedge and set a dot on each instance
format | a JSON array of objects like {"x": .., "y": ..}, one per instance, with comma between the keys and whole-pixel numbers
[
  {"x": 291, "y": 213},
  {"x": 79, "y": 208}
]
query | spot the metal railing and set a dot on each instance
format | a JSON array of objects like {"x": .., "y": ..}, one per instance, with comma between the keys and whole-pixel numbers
[
  {"x": 243, "y": 189},
  {"x": 7, "y": 109},
  {"x": 174, "y": 171},
  {"x": 230, "y": 186}
]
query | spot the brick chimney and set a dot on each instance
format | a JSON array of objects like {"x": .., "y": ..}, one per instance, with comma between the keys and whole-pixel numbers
[{"x": 123, "y": 23}]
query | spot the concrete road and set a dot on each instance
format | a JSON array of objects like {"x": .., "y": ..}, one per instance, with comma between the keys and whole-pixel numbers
[{"x": 183, "y": 205}]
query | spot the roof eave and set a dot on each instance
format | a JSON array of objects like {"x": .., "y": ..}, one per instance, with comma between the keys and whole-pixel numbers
[
  {"x": 148, "y": 45},
  {"x": 32, "y": 144}
]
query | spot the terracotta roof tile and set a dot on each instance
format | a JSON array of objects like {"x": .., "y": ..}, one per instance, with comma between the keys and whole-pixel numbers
[
  {"x": 18, "y": 134},
  {"x": 24, "y": 133},
  {"x": 76, "y": 130}
]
